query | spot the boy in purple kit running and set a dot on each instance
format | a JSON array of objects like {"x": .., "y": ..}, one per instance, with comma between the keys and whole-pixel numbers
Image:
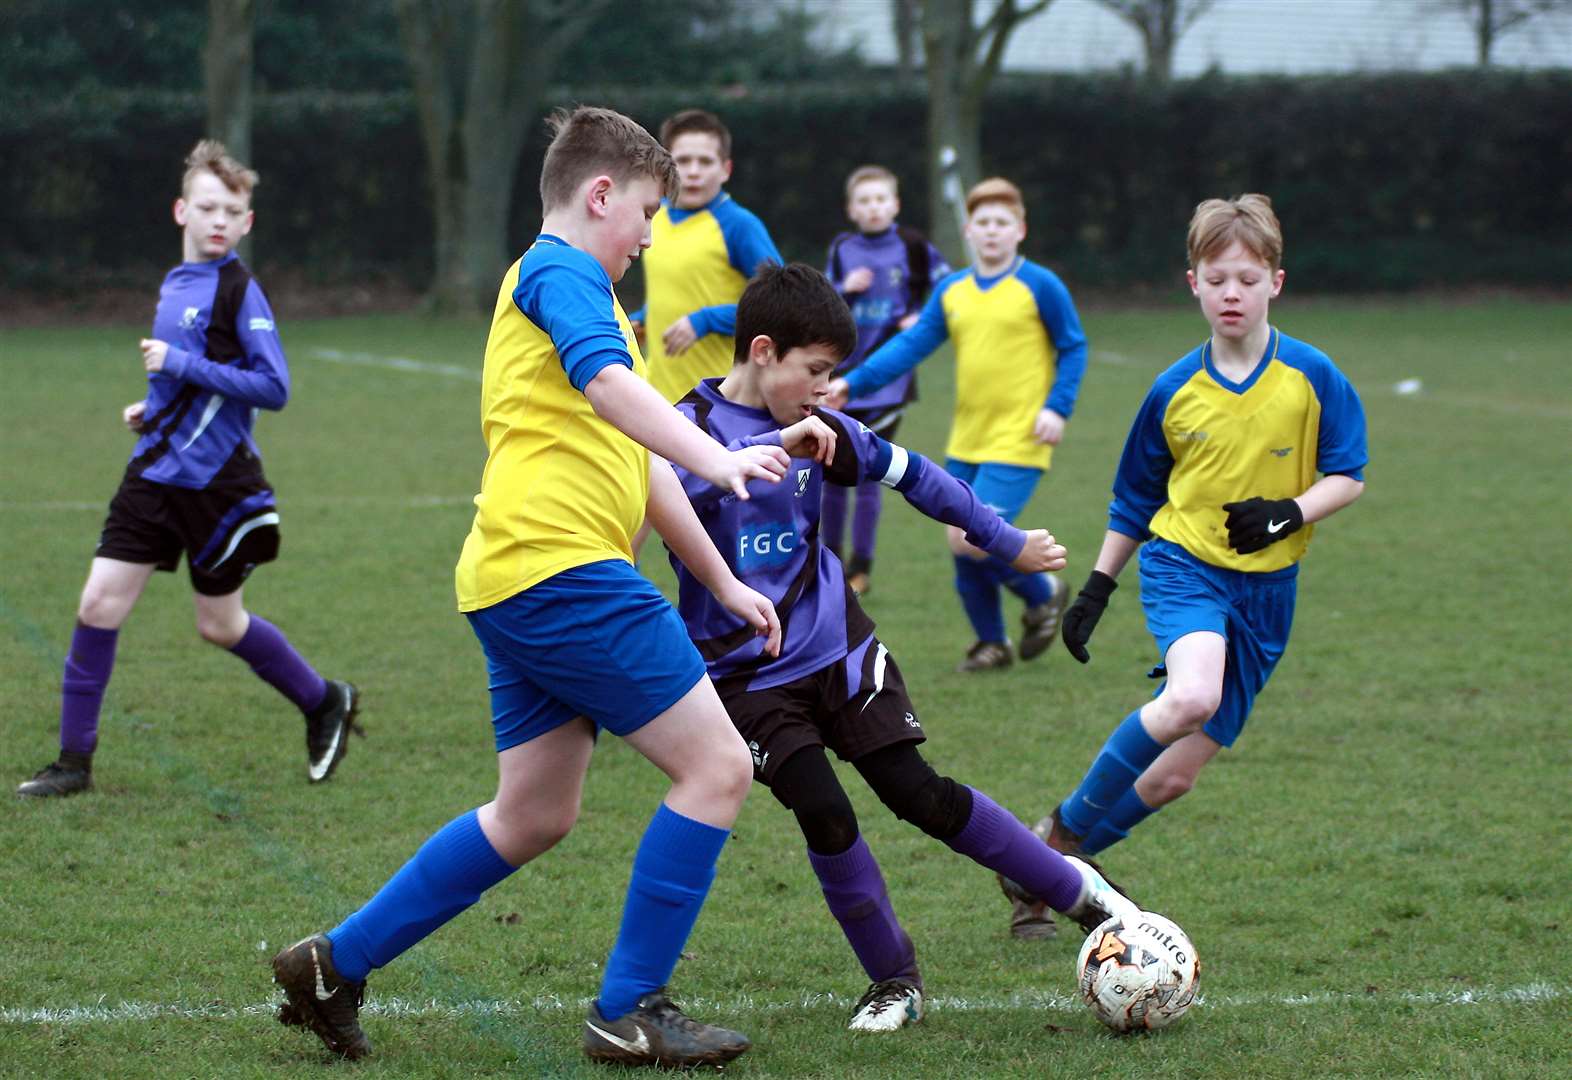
[
  {"x": 885, "y": 271},
  {"x": 833, "y": 683},
  {"x": 194, "y": 485}
]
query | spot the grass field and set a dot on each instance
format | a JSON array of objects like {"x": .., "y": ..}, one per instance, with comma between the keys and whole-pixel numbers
[{"x": 1377, "y": 878}]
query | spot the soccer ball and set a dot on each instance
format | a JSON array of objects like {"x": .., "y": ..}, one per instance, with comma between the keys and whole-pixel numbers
[{"x": 1138, "y": 972}]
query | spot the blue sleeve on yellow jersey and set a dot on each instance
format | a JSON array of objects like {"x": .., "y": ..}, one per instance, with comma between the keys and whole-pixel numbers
[
  {"x": 1340, "y": 443},
  {"x": 1141, "y": 482},
  {"x": 748, "y": 244},
  {"x": 861, "y": 455},
  {"x": 907, "y": 349},
  {"x": 1064, "y": 330},
  {"x": 260, "y": 377},
  {"x": 567, "y": 294}
]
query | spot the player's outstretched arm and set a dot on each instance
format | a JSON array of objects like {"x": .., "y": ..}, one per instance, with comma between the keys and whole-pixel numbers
[
  {"x": 631, "y": 405},
  {"x": 1081, "y": 619},
  {"x": 673, "y": 518}
]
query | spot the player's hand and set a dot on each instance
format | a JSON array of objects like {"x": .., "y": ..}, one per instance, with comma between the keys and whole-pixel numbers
[
  {"x": 132, "y": 415},
  {"x": 909, "y": 320},
  {"x": 1049, "y": 428},
  {"x": 839, "y": 392},
  {"x": 679, "y": 336},
  {"x": 859, "y": 280},
  {"x": 1257, "y": 523},
  {"x": 1081, "y": 619},
  {"x": 809, "y": 437},
  {"x": 734, "y": 468},
  {"x": 755, "y": 609},
  {"x": 1041, "y": 553},
  {"x": 153, "y": 353}
]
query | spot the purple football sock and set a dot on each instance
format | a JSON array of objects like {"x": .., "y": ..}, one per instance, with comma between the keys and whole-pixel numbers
[
  {"x": 995, "y": 839},
  {"x": 87, "y": 668},
  {"x": 865, "y": 519},
  {"x": 854, "y": 889},
  {"x": 276, "y": 663}
]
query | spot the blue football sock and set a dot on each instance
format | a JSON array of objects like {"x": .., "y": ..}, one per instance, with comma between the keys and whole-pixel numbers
[
  {"x": 1123, "y": 758},
  {"x": 1033, "y": 588},
  {"x": 447, "y": 875},
  {"x": 1123, "y": 816},
  {"x": 672, "y": 872},
  {"x": 980, "y": 598}
]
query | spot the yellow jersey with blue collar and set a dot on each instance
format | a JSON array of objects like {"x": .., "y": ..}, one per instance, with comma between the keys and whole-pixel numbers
[
  {"x": 1202, "y": 440},
  {"x": 561, "y": 487},
  {"x": 696, "y": 267},
  {"x": 1019, "y": 348}
]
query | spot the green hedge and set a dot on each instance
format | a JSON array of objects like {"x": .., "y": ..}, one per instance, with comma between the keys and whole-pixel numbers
[{"x": 1383, "y": 182}]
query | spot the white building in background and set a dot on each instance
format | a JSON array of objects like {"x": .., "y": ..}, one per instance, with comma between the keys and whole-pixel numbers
[{"x": 1235, "y": 36}]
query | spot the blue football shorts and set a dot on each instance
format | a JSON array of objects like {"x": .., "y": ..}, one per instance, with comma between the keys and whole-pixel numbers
[
  {"x": 1004, "y": 489},
  {"x": 596, "y": 640},
  {"x": 1254, "y": 612}
]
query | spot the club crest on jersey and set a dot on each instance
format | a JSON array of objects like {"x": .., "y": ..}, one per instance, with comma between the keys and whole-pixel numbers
[
  {"x": 768, "y": 545},
  {"x": 189, "y": 319},
  {"x": 803, "y": 476}
]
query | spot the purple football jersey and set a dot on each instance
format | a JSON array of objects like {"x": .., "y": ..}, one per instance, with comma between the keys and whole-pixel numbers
[{"x": 771, "y": 540}]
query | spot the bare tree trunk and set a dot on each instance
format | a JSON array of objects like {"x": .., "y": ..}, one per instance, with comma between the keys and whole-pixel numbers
[
  {"x": 227, "y": 63},
  {"x": 481, "y": 70},
  {"x": 962, "y": 60},
  {"x": 952, "y": 124},
  {"x": 1484, "y": 30},
  {"x": 905, "y": 21}
]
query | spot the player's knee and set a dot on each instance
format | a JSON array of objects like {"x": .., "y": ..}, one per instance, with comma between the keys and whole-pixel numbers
[
  {"x": 907, "y": 784},
  {"x": 219, "y": 629},
  {"x": 1170, "y": 786},
  {"x": 1188, "y": 707},
  {"x": 729, "y": 773},
  {"x": 827, "y": 820},
  {"x": 101, "y": 608}
]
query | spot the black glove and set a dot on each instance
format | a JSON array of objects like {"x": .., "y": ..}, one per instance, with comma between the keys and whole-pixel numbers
[
  {"x": 1255, "y": 523},
  {"x": 1081, "y": 619}
]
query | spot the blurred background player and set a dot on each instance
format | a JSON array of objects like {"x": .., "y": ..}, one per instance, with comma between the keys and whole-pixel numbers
[
  {"x": 834, "y": 684},
  {"x": 575, "y": 639},
  {"x": 1019, "y": 357},
  {"x": 705, "y": 247},
  {"x": 194, "y": 485},
  {"x": 1216, "y": 486},
  {"x": 885, "y": 271}
]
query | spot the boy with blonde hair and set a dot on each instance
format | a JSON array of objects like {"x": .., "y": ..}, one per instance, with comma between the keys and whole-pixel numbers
[
  {"x": 884, "y": 271},
  {"x": 1217, "y": 487},
  {"x": 194, "y": 485},
  {"x": 575, "y": 639},
  {"x": 1019, "y": 357},
  {"x": 705, "y": 247}
]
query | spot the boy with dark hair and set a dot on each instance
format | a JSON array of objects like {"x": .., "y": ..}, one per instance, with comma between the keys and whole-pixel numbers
[
  {"x": 885, "y": 271},
  {"x": 1019, "y": 358},
  {"x": 834, "y": 684},
  {"x": 705, "y": 246},
  {"x": 1217, "y": 487},
  {"x": 194, "y": 485},
  {"x": 575, "y": 639}
]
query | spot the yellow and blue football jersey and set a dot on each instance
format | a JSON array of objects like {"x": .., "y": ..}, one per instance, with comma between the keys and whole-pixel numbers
[
  {"x": 561, "y": 487},
  {"x": 1019, "y": 349},
  {"x": 696, "y": 267},
  {"x": 1201, "y": 440}
]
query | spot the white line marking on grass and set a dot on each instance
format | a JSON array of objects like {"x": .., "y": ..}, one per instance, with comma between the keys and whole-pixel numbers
[
  {"x": 404, "y": 502},
  {"x": 396, "y": 363},
  {"x": 101, "y": 1013}
]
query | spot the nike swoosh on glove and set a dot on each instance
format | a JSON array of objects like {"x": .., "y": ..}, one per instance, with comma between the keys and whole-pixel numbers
[{"x": 1256, "y": 523}]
